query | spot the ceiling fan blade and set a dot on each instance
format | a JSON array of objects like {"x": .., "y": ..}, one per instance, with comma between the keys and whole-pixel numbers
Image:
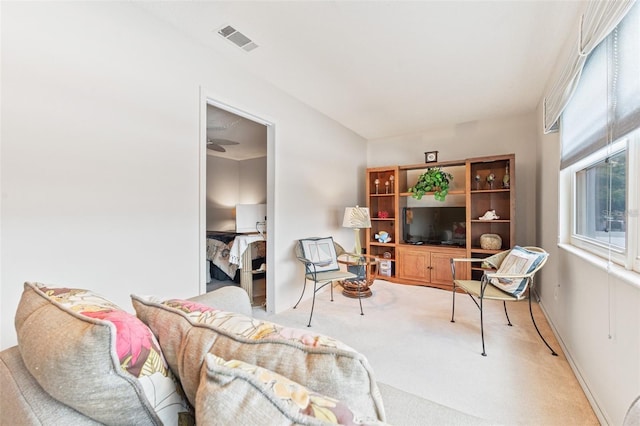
[
  {"x": 223, "y": 141},
  {"x": 215, "y": 147}
]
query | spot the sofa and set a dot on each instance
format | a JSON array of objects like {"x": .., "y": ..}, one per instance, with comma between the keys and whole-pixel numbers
[{"x": 203, "y": 360}]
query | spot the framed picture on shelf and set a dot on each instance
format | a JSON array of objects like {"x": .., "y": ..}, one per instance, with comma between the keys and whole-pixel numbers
[{"x": 431, "y": 156}]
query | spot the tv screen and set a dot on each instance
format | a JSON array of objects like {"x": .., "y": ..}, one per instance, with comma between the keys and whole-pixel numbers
[{"x": 434, "y": 225}]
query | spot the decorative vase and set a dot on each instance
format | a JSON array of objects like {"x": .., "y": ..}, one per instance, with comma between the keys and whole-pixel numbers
[
  {"x": 490, "y": 242},
  {"x": 506, "y": 179}
]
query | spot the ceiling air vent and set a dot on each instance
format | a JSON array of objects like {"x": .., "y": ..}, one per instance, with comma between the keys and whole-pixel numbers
[{"x": 237, "y": 38}]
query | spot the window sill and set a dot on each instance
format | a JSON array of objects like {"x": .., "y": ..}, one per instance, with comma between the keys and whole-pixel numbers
[{"x": 630, "y": 277}]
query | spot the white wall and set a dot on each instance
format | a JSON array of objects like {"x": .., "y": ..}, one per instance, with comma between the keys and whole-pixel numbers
[
  {"x": 223, "y": 187},
  {"x": 231, "y": 182},
  {"x": 515, "y": 134},
  {"x": 100, "y": 155},
  {"x": 253, "y": 181},
  {"x": 595, "y": 315}
]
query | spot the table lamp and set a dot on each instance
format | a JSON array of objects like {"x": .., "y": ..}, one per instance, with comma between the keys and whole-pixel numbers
[{"x": 357, "y": 218}]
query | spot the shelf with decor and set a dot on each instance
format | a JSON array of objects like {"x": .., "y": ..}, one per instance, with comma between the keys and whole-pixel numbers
[
  {"x": 415, "y": 208},
  {"x": 454, "y": 192},
  {"x": 382, "y": 200},
  {"x": 491, "y": 201}
]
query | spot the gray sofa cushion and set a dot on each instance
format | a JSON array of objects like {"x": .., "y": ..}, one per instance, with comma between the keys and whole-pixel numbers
[
  {"x": 267, "y": 398},
  {"x": 229, "y": 298},
  {"x": 81, "y": 360},
  {"x": 24, "y": 402}
]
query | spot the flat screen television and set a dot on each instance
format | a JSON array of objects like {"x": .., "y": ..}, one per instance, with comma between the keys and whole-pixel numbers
[{"x": 434, "y": 225}]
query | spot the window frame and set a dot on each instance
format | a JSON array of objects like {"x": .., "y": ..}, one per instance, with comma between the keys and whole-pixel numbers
[
  {"x": 630, "y": 257},
  {"x": 633, "y": 199}
]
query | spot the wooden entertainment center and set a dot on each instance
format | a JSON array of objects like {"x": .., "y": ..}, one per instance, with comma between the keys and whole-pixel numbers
[{"x": 419, "y": 259}]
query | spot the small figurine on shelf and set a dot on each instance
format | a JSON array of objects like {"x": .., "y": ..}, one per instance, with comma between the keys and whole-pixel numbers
[
  {"x": 376, "y": 182},
  {"x": 506, "y": 179},
  {"x": 489, "y": 215},
  {"x": 391, "y": 182},
  {"x": 386, "y": 185},
  {"x": 490, "y": 180},
  {"x": 477, "y": 181},
  {"x": 383, "y": 214},
  {"x": 383, "y": 237}
]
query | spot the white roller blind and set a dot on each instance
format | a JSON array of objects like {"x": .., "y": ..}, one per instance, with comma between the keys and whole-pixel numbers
[
  {"x": 584, "y": 120},
  {"x": 627, "y": 103},
  {"x": 606, "y": 102},
  {"x": 563, "y": 89},
  {"x": 598, "y": 20}
]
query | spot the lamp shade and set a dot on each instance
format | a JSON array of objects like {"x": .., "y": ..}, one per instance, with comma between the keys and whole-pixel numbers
[{"x": 356, "y": 217}]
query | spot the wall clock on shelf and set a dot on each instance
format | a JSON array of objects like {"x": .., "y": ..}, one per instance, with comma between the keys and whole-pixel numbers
[{"x": 431, "y": 156}]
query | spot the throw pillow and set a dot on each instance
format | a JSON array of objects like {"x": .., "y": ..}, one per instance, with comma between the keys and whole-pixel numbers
[
  {"x": 322, "y": 252},
  {"x": 187, "y": 331},
  {"x": 268, "y": 398},
  {"x": 91, "y": 355},
  {"x": 520, "y": 262}
]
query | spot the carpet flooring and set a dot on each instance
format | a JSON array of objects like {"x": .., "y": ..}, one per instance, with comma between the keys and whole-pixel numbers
[{"x": 411, "y": 344}]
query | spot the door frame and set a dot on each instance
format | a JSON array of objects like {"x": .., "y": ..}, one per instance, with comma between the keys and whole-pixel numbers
[{"x": 208, "y": 97}]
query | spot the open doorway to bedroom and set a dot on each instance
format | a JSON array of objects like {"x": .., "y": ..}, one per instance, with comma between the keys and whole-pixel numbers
[{"x": 236, "y": 202}]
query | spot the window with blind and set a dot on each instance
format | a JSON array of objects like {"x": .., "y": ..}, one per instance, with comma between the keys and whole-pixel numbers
[{"x": 600, "y": 135}]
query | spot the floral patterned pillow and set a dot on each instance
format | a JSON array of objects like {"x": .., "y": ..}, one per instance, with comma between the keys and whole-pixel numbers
[
  {"x": 137, "y": 348},
  {"x": 265, "y": 392},
  {"x": 188, "y": 331},
  {"x": 251, "y": 328},
  {"x": 138, "y": 352}
]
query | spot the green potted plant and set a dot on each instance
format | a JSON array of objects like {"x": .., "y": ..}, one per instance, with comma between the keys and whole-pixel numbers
[{"x": 433, "y": 180}]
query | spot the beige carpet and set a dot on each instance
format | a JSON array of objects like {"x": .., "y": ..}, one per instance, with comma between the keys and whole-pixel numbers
[{"x": 408, "y": 338}]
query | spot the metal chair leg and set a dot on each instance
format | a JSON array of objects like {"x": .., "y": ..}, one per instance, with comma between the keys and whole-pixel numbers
[
  {"x": 360, "y": 297},
  {"x": 536, "y": 326},
  {"x": 313, "y": 302},
  {"x": 506, "y": 314},
  {"x": 453, "y": 304},
  {"x": 484, "y": 353},
  {"x": 304, "y": 287}
]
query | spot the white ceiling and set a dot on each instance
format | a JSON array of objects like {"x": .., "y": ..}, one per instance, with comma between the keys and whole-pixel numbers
[
  {"x": 388, "y": 68},
  {"x": 250, "y": 137}
]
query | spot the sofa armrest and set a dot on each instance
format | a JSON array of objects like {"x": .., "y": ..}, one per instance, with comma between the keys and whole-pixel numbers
[
  {"x": 229, "y": 298},
  {"x": 24, "y": 402}
]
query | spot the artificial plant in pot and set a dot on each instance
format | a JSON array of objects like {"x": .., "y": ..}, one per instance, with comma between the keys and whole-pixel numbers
[{"x": 433, "y": 180}]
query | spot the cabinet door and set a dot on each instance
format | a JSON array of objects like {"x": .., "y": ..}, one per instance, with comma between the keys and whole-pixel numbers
[
  {"x": 441, "y": 268},
  {"x": 415, "y": 265}
]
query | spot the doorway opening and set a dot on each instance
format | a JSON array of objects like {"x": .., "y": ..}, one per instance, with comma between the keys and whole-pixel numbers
[{"x": 234, "y": 184}]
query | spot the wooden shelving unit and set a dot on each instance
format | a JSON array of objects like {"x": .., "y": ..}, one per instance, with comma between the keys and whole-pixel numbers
[{"x": 429, "y": 264}]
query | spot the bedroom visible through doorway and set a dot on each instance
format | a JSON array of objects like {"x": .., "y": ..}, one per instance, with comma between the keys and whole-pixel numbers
[{"x": 236, "y": 203}]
